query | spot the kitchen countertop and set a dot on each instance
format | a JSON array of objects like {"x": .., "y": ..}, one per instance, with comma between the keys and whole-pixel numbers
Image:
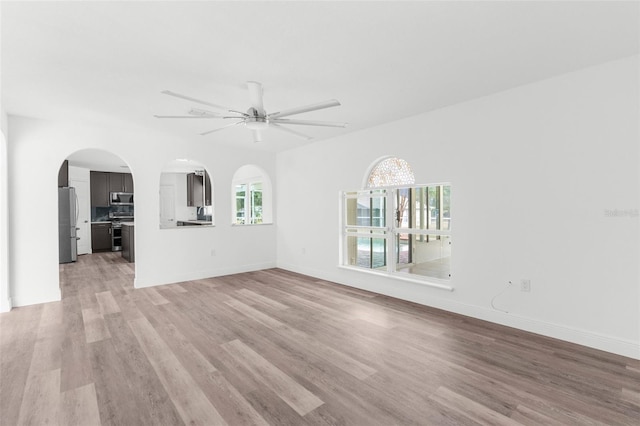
[
  {"x": 128, "y": 224},
  {"x": 100, "y": 221},
  {"x": 197, "y": 222}
]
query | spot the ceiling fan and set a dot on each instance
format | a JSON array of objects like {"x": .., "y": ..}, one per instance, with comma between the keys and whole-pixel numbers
[{"x": 256, "y": 118}]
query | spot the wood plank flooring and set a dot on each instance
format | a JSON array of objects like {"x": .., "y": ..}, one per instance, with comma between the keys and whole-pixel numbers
[{"x": 277, "y": 348}]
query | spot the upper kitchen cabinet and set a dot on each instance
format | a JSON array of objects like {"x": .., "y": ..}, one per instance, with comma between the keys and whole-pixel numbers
[
  {"x": 207, "y": 190},
  {"x": 128, "y": 182},
  {"x": 63, "y": 174},
  {"x": 198, "y": 189},
  {"x": 120, "y": 182},
  {"x": 102, "y": 183},
  {"x": 99, "y": 182}
]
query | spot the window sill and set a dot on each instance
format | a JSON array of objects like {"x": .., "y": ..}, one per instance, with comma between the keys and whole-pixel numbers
[
  {"x": 187, "y": 227},
  {"x": 403, "y": 277},
  {"x": 250, "y": 224}
]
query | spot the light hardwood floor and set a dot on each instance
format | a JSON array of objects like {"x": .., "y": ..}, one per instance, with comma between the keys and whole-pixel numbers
[{"x": 274, "y": 347}]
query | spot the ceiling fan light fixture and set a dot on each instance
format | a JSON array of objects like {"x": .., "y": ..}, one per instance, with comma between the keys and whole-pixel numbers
[{"x": 256, "y": 123}]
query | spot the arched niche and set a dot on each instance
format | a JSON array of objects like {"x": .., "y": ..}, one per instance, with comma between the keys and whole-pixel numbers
[
  {"x": 252, "y": 196},
  {"x": 186, "y": 195}
]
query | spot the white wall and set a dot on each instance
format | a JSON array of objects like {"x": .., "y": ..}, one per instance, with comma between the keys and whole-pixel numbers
[
  {"x": 5, "y": 296},
  {"x": 533, "y": 170},
  {"x": 36, "y": 149}
]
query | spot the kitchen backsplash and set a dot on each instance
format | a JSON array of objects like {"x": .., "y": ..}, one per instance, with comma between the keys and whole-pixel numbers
[{"x": 100, "y": 214}]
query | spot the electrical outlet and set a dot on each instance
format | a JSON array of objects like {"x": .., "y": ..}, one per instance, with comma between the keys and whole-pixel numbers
[
  {"x": 213, "y": 252},
  {"x": 525, "y": 285},
  {"x": 303, "y": 250}
]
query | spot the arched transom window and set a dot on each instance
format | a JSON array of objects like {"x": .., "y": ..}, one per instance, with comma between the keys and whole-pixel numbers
[{"x": 391, "y": 172}]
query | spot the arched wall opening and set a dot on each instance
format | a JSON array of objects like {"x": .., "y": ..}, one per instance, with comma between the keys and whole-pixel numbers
[
  {"x": 96, "y": 208},
  {"x": 186, "y": 195}
]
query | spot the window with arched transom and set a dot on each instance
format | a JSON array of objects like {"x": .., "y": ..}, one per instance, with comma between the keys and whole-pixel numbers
[{"x": 395, "y": 226}]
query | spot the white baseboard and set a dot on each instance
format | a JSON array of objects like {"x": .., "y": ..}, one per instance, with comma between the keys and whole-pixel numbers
[
  {"x": 587, "y": 338},
  {"x": 6, "y": 305},
  {"x": 18, "y": 301},
  {"x": 202, "y": 274}
]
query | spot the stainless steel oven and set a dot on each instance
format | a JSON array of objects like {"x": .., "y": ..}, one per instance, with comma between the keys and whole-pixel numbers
[
  {"x": 116, "y": 219},
  {"x": 116, "y": 236}
]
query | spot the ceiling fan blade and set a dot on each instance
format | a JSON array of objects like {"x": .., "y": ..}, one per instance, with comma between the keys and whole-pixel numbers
[
  {"x": 186, "y": 116},
  {"x": 203, "y": 113},
  {"x": 308, "y": 122},
  {"x": 257, "y": 137},
  {"x": 300, "y": 110},
  {"x": 193, "y": 113},
  {"x": 220, "y": 128},
  {"x": 255, "y": 95},
  {"x": 293, "y": 132},
  {"x": 189, "y": 98},
  {"x": 238, "y": 112}
]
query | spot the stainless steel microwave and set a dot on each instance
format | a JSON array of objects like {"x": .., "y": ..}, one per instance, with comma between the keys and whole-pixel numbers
[{"x": 121, "y": 198}]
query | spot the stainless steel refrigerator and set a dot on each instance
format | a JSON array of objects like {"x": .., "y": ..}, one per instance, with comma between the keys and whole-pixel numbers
[{"x": 67, "y": 221}]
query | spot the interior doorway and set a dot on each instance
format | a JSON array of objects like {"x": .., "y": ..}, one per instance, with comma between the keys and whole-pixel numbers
[{"x": 95, "y": 200}]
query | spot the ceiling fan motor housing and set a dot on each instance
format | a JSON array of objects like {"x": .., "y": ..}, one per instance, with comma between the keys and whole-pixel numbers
[{"x": 256, "y": 120}]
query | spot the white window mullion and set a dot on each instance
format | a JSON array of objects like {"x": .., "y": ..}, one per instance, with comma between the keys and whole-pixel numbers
[{"x": 391, "y": 235}]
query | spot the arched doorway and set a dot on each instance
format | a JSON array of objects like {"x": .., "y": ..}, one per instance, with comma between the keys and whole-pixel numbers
[{"x": 95, "y": 202}]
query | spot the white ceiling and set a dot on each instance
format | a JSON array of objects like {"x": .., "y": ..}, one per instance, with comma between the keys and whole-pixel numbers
[{"x": 107, "y": 62}]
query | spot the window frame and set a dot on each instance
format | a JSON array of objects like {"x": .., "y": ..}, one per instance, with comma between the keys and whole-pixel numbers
[
  {"x": 364, "y": 231},
  {"x": 390, "y": 232},
  {"x": 249, "y": 217}
]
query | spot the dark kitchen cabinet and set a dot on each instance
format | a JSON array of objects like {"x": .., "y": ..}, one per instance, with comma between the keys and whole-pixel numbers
[
  {"x": 116, "y": 182},
  {"x": 128, "y": 243},
  {"x": 120, "y": 182},
  {"x": 194, "y": 190},
  {"x": 127, "y": 182},
  {"x": 63, "y": 174},
  {"x": 100, "y": 237},
  {"x": 102, "y": 183},
  {"x": 198, "y": 190},
  {"x": 99, "y": 182},
  {"x": 207, "y": 190}
]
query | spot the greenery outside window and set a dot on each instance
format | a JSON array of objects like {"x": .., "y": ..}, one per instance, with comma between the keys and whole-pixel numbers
[
  {"x": 422, "y": 230},
  {"x": 365, "y": 228},
  {"x": 248, "y": 198}
]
